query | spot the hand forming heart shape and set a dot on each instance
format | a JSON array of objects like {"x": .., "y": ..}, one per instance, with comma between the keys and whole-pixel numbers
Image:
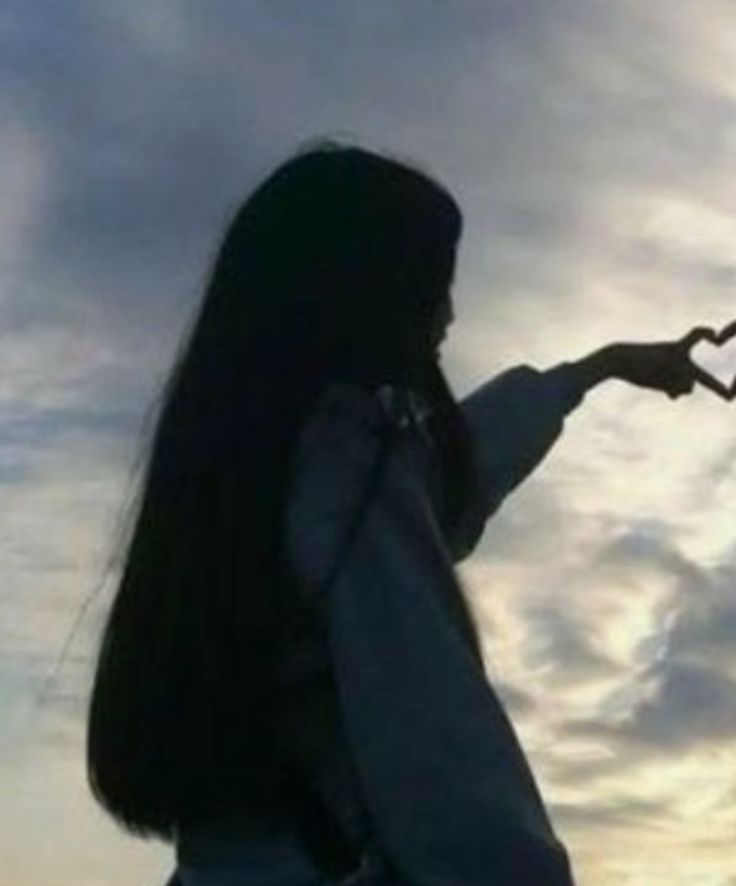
[{"x": 705, "y": 374}]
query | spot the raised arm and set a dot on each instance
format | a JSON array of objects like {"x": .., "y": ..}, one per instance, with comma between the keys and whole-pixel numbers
[{"x": 516, "y": 417}]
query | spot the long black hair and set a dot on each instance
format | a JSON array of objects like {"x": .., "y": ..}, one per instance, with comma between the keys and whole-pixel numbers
[{"x": 332, "y": 269}]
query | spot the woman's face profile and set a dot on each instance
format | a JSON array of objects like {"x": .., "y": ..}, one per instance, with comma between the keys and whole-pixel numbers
[{"x": 444, "y": 315}]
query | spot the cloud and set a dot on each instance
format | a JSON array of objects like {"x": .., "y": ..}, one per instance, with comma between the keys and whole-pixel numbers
[
  {"x": 626, "y": 812},
  {"x": 560, "y": 641},
  {"x": 684, "y": 668},
  {"x": 692, "y": 705},
  {"x": 23, "y": 206},
  {"x": 515, "y": 700}
]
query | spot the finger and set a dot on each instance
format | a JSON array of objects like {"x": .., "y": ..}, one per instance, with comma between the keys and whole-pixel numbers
[
  {"x": 680, "y": 383},
  {"x": 727, "y": 332},
  {"x": 702, "y": 377},
  {"x": 679, "y": 391},
  {"x": 697, "y": 334}
]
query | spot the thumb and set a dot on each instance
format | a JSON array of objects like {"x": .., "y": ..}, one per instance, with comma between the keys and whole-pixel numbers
[{"x": 697, "y": 334}]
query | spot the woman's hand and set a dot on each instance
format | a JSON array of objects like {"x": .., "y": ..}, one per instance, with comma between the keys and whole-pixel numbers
[
  {"x": 667, "y": 366},
  {"x": 663, "y": 366}
]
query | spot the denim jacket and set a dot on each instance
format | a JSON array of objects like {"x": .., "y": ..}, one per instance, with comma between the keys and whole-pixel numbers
[{"x": 393, "y": 713}]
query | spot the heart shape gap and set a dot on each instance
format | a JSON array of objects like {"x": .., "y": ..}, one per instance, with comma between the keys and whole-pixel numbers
[{"x": 718, "y": 359}]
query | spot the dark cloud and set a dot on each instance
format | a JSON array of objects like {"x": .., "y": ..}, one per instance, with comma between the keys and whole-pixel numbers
[
  {"x": 694, "y": 703},
  {"x": 692, "y": 706},
  {"x": 646, "y": 544},
  {"x": 515, "y": 700},
  {"x": 702, "y": 607},
  {"x": 559, "y": 641},
  {"x": 627, "y": 813},
  {"x": 34, "y": 429},
  {"x": 573, "y": 771},
  {"x": 691, "y": 701},
  {"x": 703, "y": 631}
]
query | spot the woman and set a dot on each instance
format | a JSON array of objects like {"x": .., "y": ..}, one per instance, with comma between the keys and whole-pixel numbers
[{"x": 289, "y": 685}]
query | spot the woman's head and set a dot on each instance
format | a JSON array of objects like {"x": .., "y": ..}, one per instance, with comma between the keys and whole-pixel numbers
[
  {"x": 355, "y": 249},
  {"x": 337, "y": 267}
]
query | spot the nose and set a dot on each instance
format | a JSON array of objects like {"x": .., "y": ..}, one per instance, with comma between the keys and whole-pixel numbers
[{"x": 450, "y": 313}]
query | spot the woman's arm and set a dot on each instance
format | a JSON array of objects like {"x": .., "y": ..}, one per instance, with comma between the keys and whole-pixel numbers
[
  {"x": 516, "y": 416},
  {"x": 514, "y": 419},
  {"x": 661, "y": 365}
]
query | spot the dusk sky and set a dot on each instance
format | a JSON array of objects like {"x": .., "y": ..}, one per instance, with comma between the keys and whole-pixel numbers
[{"x": 592, "y": 147}]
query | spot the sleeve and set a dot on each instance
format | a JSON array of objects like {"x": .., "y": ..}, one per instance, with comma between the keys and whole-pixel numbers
[
  {"x": 514, "y": 419},
  {"x": 447, "y": 785}
]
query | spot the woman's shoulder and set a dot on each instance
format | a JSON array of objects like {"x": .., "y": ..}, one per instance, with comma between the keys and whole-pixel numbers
[
  {"x": 356, "y": 440},
  {"x": 350, "y": 416},
  {"x": 349, "y": 426},
  {"x": 388, "y": 404}
]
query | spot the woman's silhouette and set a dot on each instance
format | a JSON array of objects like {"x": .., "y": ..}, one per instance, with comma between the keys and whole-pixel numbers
[{"x": 289, "y": 686}]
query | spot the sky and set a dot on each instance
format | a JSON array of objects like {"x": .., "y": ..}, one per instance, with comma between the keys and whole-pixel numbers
[{"x": 592, "y": 147}]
